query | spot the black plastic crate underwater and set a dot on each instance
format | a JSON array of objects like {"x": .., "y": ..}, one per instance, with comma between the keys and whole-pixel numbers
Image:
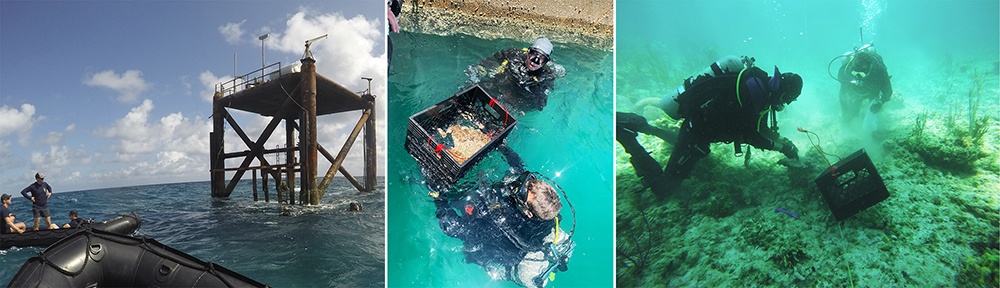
[
  {"x": 852, "y": 185},
  {"x": 472, "y": 107}
]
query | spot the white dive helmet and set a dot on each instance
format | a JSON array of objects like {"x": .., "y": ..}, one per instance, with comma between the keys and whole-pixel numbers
[{"x": 544, "y": 45}]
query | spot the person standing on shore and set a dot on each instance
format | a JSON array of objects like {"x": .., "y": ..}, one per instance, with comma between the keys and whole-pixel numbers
[{"x": 39, "y": 196}]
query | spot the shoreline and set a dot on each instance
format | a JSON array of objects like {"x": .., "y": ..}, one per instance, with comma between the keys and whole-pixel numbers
[{"x": 589, "y": 23}]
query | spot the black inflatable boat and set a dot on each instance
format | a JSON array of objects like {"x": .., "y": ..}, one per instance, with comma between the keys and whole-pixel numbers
[
  {"x": 94, "y": 258},
  {"x": 125, "y": 224}
]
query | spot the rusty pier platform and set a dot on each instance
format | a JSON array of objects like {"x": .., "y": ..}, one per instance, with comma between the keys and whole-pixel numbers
[{"x": 295, "y": 97}]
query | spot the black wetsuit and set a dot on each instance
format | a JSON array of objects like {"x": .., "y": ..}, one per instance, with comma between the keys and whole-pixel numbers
[
  {"x": 505, "y": 76},
  {"x": 874, "y": 86},
  {"x": 495, "y": 233},
  {"x": 727, "y": 118}
]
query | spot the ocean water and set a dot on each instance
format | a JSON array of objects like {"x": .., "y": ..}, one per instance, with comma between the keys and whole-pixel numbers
[
  {"x": 940, "y": 224},
  {"x": 569, "y": 141},
  {"x": 318, "y": 246}
]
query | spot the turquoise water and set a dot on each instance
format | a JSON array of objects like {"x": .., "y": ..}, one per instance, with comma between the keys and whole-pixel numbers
[
  {"x": 319, "y": 246},
  {"x": 570, "y": 141},
  {"x": 940, "y": 224}
]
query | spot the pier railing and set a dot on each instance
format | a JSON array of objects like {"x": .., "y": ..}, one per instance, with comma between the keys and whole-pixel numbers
[{"x": 250, "y": 80}]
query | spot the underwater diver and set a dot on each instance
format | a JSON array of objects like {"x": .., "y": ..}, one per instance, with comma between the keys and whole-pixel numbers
[
  {"x": 730, "y": 102},
  {"x": 510, "y": 228},
  {"x": 862, "y": 76},
  {"x": 520, "y": 78}
]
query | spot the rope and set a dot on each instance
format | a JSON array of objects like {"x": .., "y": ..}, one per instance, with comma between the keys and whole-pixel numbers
[
  {"x": 850, "y": 274},
  {"x": 289, "y": 95},
  {"x": 816, "y": 145}
]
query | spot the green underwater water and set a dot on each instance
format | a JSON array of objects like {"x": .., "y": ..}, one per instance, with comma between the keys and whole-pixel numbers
[
  {"x": 940, "y": 224},
  {"x": 569, "y": 141}
]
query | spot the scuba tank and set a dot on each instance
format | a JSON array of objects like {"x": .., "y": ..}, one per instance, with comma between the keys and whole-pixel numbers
[{"x": 727, "y": 65}]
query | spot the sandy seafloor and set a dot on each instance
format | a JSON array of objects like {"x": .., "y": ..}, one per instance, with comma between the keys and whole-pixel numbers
[{"x": 939, "y": 226}]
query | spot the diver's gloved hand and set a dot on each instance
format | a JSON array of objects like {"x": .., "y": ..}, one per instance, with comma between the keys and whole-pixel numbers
[
  {"x": 788, "y": 148},
  {"x": 876, "y": 106},
  {"x": 630, "y": 121}
]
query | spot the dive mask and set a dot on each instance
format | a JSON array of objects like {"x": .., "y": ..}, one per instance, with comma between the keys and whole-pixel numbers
[
  {"x": 537, "y": 57},
  {"x": 519, "y": 191}
]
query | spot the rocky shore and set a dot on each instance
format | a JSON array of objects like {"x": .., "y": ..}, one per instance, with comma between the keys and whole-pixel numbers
[{"x": 585, "y": 22}]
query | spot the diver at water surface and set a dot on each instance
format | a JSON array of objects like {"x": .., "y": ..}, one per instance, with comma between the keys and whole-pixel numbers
[
  {"x": 520, "y": 78},
  {"x": 510, "y": 228},
  {"x": 730, "y": 102}
]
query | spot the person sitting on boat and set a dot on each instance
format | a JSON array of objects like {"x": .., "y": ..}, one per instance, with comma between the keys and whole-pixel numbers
[
  {"x": 863, "y": 76},
  {"x": 40, "y": 191},
  {"x": 74, "y": 220},
  {"x": 519, "y": 78},
  {"x": 510, "y": 228},
  {"x": 7, "y": 224}
]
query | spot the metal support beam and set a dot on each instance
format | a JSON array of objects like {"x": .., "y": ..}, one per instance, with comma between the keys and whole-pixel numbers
[
  {"x": 263, "y": 185},
  {"x": 257, "y": 147},
  {"x": 371, "y": 157},
  {"x": 342, "y": 170},
  {"x": 215, "y": 150},
  {"x": 290, "y": 161},
  {"x": 343, "y": 152},
  {"x": 308, "y": 98}
]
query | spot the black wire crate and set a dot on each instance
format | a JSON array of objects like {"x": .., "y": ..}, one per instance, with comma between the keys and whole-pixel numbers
[
  {"x": 449, "y": 138},
  {"x": 852, "y": 185}
]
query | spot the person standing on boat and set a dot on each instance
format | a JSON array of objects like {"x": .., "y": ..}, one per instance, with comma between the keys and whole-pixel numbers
[
  {"x": 7, "y": 223},
  {"x": 520, "y": 78},
  {"x": 39, "y": 196}
]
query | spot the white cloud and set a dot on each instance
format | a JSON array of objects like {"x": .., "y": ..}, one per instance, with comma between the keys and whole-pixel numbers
[
  {"x": 128, "y": 85},
  {"x": 53, "y": 138},
  {"x": 232, "y": 31},
  {"x": 346, "y": 55},
  {"x": 17, "y": 121},
  {"x": 57, "y": 158},
  {"x": 180, "y": 144},
  {"x": 209, "y": 80}
]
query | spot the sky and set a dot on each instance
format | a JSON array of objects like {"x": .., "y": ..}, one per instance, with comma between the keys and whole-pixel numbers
[{"x": 99, "y": 94}]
